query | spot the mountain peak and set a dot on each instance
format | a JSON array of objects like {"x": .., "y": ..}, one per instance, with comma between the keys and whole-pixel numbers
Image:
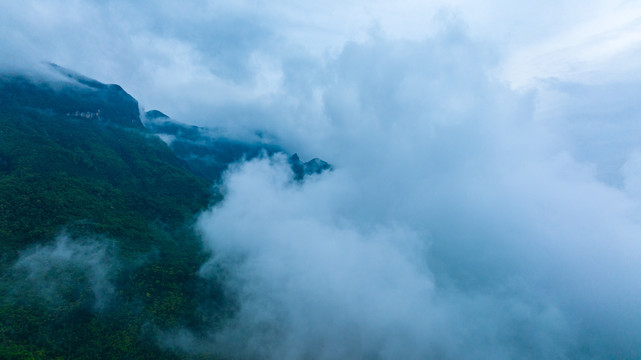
[
  {"x": 301, "y": 169},
  {"x": 77, "y": 77},
  {"x": 155, "y": 114},
  {"x": 75, "y": 96}
]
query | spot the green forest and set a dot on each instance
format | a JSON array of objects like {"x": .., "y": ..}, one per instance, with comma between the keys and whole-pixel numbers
[{"x": 107, "y": 183}]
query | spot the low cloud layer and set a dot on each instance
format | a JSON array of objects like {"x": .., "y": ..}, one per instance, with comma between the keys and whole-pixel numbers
[
  {"x": 454, "y": 225},
  {"x": 463, "y": 220},
  {"x": 66, "y": 271}
]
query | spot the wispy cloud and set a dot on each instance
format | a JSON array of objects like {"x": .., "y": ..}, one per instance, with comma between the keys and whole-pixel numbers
[
  {"x": 454, "y": 225},
  {"x": 67, "y": 271}
]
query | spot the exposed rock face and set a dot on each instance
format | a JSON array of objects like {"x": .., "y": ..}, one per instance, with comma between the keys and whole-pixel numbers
[{"x": 301, "y": 169}]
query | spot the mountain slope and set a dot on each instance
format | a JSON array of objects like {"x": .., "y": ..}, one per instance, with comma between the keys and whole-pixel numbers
[
  {"x": 88, "y": 200},
  {"x": 59, "y": 169},
  {"x": 98, "y": 253}
]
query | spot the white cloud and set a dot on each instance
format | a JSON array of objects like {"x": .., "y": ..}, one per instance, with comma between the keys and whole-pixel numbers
[
  {"x": 68, "y": 267},
  {"x": 494, "y": 224},
  {"x": 196, "y": 57},
  {"x": 454, "y": 225}
]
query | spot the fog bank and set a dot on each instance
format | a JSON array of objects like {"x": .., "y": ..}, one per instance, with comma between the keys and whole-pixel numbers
[{"x": 454, "y": 226}]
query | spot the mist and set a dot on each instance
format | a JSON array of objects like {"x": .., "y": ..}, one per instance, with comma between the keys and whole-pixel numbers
[
  {"x": 454, "y": 226},
  {"x": 485, "y": 196},
  {"x": 69, "y": 270}
]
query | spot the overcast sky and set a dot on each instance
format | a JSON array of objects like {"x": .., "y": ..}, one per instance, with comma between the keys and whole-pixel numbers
[
  {"x": 485, "y": 202},
  {"x": 225, "y": 62},
  {"x": 189, "y": 56}
]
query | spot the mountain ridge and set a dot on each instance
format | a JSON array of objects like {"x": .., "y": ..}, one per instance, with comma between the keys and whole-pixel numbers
[{"x": 80, "y": 176}]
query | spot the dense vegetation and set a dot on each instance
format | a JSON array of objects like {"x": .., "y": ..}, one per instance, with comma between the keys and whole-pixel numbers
[{"x": 106, "y": 182}]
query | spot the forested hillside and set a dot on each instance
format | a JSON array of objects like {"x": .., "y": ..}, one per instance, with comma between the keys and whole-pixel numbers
[
  {"x": 98, "y": 251},
  {"x": 81, "y": 177}
]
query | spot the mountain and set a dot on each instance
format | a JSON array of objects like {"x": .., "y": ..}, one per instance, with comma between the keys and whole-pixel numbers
[
  {"x": 67, "y": 141},
  {"x": 96, "y": 213},
  {"x": 206, "y": 154},
  {"x": 302, "y": 169},
  {"x": 209, "y": 155},
  {"x": 76, "y": 154},
  {"x": 71, "y": 95}
]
